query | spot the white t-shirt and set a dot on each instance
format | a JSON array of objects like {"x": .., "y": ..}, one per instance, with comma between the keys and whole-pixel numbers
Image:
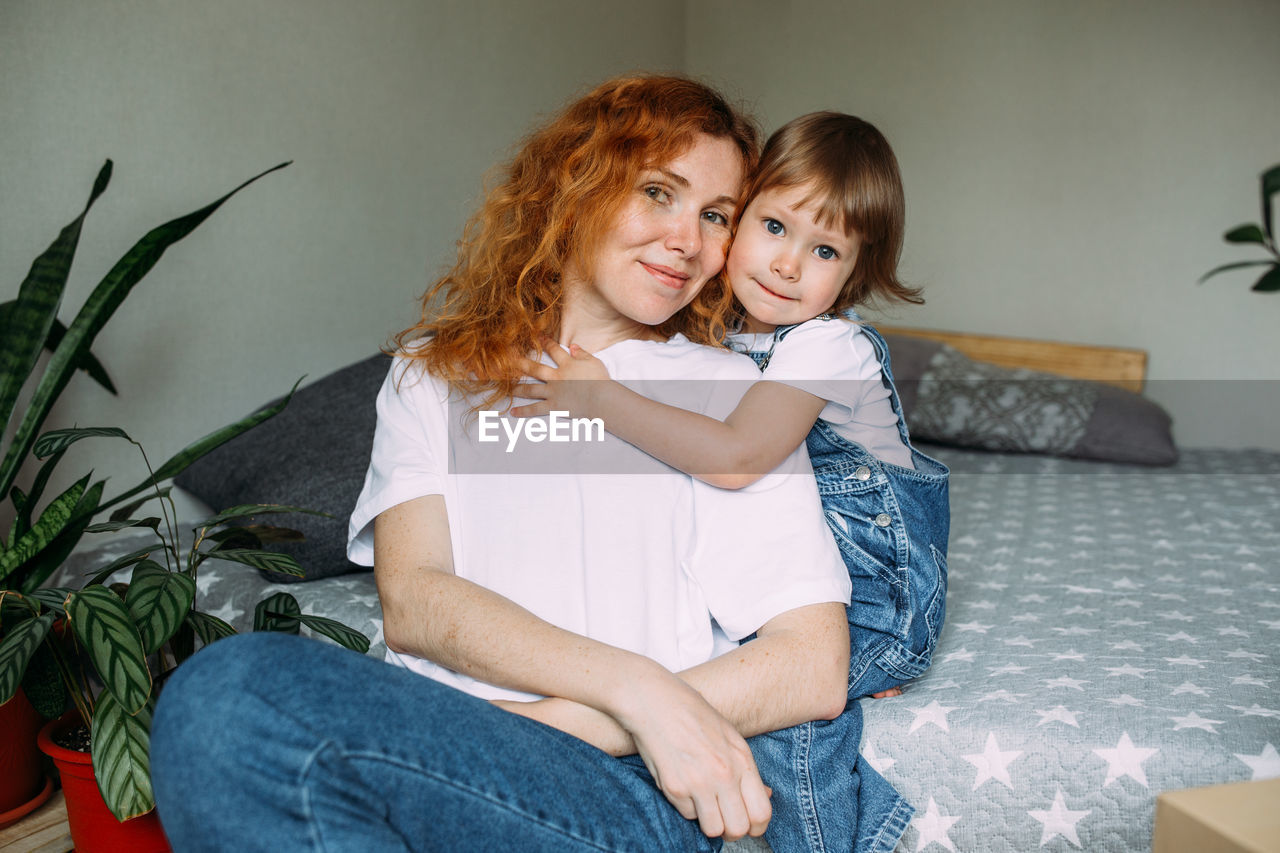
[
  {"x": 603, "y": 540},
  {"x": 832, "y": 359}
]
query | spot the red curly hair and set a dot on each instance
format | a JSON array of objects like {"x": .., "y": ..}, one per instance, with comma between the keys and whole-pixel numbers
[{"x": 552, "y": 205}]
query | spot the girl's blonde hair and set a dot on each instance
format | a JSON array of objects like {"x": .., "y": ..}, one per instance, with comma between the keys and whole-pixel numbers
[
  {"x": 856, "y": 186},
  {"x": 553, "y": 204}
]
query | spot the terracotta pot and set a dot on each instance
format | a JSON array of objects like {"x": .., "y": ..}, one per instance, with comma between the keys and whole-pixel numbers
[
  {"x": 94, "y": 829},
  {"x": 23, "y": 785}
]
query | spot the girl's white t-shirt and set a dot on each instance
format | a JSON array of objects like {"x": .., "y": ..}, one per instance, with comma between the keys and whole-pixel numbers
[
  {"x": 595, "y": 536},
  {"x": 830, "y": 358}
]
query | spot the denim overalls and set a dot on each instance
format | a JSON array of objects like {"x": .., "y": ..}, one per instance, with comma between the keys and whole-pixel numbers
[{"x": 891, "y": 525}]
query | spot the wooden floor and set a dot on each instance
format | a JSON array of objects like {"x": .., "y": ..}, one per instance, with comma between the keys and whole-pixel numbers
[{"x": 42, "y": 831}]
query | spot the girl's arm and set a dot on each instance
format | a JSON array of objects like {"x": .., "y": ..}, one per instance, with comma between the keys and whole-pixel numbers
[{"x": 770, "y": 422}]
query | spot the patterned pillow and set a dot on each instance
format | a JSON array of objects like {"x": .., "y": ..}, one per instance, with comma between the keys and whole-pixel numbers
[{"x": 951, "y": 399}]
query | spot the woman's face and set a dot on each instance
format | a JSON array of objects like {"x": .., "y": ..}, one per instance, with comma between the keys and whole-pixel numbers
[{"x": 669, "y": 238}]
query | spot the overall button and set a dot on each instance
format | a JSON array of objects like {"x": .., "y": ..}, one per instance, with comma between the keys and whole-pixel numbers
[
  {"x": 883, "y": 520},
  {"x": 863, "y": 473}
]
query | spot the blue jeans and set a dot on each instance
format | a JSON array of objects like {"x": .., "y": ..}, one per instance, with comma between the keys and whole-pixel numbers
[{"x": 272, "y": 742}]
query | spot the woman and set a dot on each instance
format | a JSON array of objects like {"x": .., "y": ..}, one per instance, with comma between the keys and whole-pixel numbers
[{"x": 590, "y": 591}]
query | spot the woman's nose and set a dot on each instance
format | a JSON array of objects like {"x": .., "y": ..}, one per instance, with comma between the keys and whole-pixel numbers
[{"x": 685, "y": 236}]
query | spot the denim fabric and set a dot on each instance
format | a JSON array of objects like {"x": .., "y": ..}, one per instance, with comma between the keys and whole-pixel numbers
[
  {"x": 891, "y": 524},
  {"x": 277, "y": 743}
]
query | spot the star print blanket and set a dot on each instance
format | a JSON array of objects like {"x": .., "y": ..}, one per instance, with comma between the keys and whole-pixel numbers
[{"x": 1112, "y": 632}]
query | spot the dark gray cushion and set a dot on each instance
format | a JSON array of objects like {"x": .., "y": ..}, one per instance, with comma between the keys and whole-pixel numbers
[
  {"x": 950, "y": 398},
  {"x": 313, "y": 454}
]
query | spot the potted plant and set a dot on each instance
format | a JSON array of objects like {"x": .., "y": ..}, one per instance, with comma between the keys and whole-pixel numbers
[
  {"x": 117, "y": 643},
  {"x": 1264, "y": 236}
]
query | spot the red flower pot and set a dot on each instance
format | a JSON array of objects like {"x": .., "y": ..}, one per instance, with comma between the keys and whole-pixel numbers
[
  {"x": 94, "y": 829},
  {"x": 23, "y": 786}
]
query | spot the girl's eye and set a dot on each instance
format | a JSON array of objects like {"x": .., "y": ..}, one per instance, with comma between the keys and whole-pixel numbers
[
  {"x": 716, "y": 217},
  {"x": 774, "y": 227},
  {"x": 826, "y": 253},
  {"x": 657, "y": 193}
]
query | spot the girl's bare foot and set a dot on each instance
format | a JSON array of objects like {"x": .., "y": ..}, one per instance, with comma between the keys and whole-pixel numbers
[{"x": 887, "y": 694}]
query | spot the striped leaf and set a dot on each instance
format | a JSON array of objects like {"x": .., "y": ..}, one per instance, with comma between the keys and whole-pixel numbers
[
  {"x": 249, "y": 510},
  {"x": 43, "y": 683},
  {"x": 268, "y": 560},
  {"x": 277, "y": 612},
  {"x": 336, "y": 631},
  {"x": 89, "y": 364},
  {"x": 53, "y": 598},
  {"x": 54, "y": 518},
  {"x": 96, "y": 311},
  {"x": 27, "y": 326},
  {"x": 129, "y": 509},
  {"x": 56, "y": 440},
  {"x": 102, "y": 623},
  {"x": 16, "y": 649},
  {"x": 51, "y": 558},
  {"x": 122, "y": 758},
  {"x": 208, "y": 628},
  {"x": 123, "y": 524},
  {"x": 121, "y": 563},
  {"x": 158, "y": 600}
]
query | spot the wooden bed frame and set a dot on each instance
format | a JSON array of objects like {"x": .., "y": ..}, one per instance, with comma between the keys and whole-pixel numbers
[{"x": 1124, "y": 368}]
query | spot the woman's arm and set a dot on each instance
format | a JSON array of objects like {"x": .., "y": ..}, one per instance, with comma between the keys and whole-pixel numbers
[
  {"x": 697, "y": 757},
  {"x": 770, "y": 422}
]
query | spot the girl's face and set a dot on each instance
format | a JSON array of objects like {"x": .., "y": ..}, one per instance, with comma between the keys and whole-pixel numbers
[
  {"x": 669, "y": 238},
  {"x": 784, "y": 266}
]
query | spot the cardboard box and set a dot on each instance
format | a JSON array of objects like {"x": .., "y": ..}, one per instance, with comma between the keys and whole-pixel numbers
[{"x": 1240, "y": 818}]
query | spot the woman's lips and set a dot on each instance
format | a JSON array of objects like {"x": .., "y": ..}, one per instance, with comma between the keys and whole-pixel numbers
[{"x": 672, "y": 278}]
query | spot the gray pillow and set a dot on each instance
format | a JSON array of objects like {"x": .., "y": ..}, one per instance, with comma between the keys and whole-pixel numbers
[
  {"x": 950, "y": 398},
  {"x": 313, "y": 454}
]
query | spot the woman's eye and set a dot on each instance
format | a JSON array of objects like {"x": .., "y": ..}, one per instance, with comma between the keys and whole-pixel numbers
[
  {"x": 716, "y": 217},
  {"x": 657, "y": 193},
  {"x": 826, "y": 253},
  {"x": 774, "y": 227}
]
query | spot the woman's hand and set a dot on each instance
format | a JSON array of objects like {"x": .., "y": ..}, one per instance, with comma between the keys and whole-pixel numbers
[{"x": 571, "y": 386}]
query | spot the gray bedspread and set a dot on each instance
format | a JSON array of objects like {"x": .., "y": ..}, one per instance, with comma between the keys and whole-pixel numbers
[{"x": 1112, "y": 632}]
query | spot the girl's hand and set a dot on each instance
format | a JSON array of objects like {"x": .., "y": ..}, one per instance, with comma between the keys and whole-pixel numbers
[{"x": 571, "y": 386}]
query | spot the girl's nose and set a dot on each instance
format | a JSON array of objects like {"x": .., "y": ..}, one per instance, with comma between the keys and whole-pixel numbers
[{"x": 785, "y": 266}]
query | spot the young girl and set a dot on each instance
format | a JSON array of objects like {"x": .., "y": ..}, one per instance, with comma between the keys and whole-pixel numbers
[{"x": 820, "y": 234}]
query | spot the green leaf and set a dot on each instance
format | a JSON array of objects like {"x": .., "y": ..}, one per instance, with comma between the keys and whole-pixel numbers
[
  {"x": 53, "y": 598},
  {"x": 235, "y": 538},
  {"x": 208, "y": 628},
  {"x": 119, "y": 563},
  {"x": 1270, "y": 281},
  {"x": 95, "y": 313},
  {"x": 112, "y": 526},
  {"x": 336, "y": 631},
  {"x": 54, "y": 518},
  {"x": 1270, "y": 186},
  {"x": 122, "y": 758},
  {"x": 277, "y": 612},
  {"x": 38, "y": 570},
  {"x": 30, "y": 500},
  {"x": 250, "y": 510},
  {"x": 270, "y": 561},
  {"x": 129, "y": 509},
  {"x": 182, "y": 460},
  {"x": 159, "y": 601},
  {"x": 88, "y": 363},
  {"x": 103, "y": 625},
  {"x": 16, "y": 649},
  {"x": 1249, "y": 233},
  {"x": 56, "y": 440},
  {"x": 1235, "y": 266},
  {"x": 43, "y": 683},
  {"x": 26, "y": 328}
]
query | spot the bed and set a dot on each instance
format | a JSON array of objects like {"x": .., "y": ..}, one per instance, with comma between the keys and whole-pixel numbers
[{"x": 1113, "y": 624}]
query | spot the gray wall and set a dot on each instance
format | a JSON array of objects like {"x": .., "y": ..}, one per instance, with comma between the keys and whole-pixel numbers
[
  {"x": 391, "y": 110},
  {"x": 1070, "y": 167}
]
